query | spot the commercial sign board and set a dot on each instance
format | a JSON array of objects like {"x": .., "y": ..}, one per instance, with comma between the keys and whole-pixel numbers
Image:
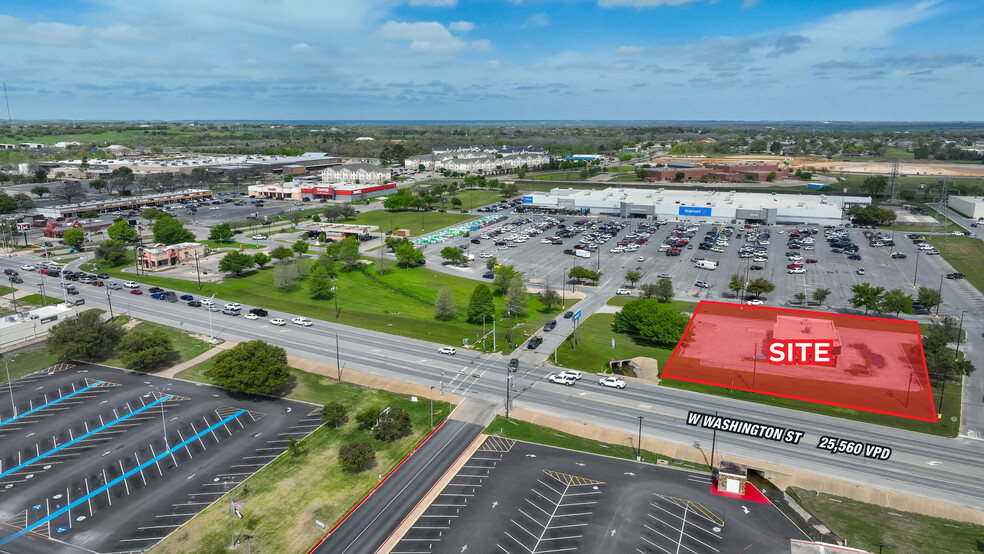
[
  {"x": 527, "y": 200},
  {"x": 322, "y": 190},
  {"x": 686, "y": 210},
  {"x": 49, "y": 319},
  {"x": 23, "y": 226},
  {"x": 577, "y": 316}
]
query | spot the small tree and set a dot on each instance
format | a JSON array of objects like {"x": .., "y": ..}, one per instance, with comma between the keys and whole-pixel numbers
[
  {"x": 760, "y": 286},
  {"x": 253, "y": 367},
  {"x": 221, "y": 233},
  {"x": 679, "y": 176},
  {"x": 648, "y": 290},
  {"x": 334, "y": 414},
  {"x": 295, "y": 217},
  {"x": 517, "y": 297},
  {"x": 455, "y": 202},
  {"x": 393, "y": 424},
  {"x": 356, "y": 456},
  {"x": 348, "y": 252},
  {"x": 928, "y": 297},
  {"x": 481, "y": 306},
  {"x": 736, "y": 283},
  {"x": 799, "y": 297},
  {"x": 407, "y": 256},
  {"x": 40, "y": 191},
  {"x": 294, "y": 448},
  {"x": 261, "y": 259},
  {"x": 170, "y": 231},
  {"x": 74, "y": 237},
  {"x": 320, "y": 283},
  {"x": 300, "y": 247},
  {"x": 282, "y": 254},
  {"x": 633, "y": 277},
  {"x": 286, "y": 275},
  {"x": 85, "y": 337},
  {"x": 452, "y": 254},
  {"x": 820, "y": 295},
  {"x": 24, "y": 201},
  {"x": 91, "y": 214},
  {"x": 549, "y": 296},
  {"x": 867, "y": 297},
  {"x": 236, "y": 262},
  {"x": 142, "y": 350},
  {"x": 113, "y": 252},
  {"x": 367, "y": 418},
  {"x": 771, "y": 176},
  {"x": 664, "y": 290},
  {"x": 898, "y": 301},
  {"x": 445, "y": 307}
]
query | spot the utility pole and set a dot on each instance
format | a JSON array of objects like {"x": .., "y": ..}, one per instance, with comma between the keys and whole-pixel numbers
[{"x": 338, "y": 363}]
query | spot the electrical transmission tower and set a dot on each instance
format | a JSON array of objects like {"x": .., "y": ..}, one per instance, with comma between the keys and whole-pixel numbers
[{"x": 893, "y": 183}]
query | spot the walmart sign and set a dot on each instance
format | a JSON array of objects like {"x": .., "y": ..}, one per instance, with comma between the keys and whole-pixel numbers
[
  {"x": 684, "y": 210},
  {"x": 527, "y": 200}
]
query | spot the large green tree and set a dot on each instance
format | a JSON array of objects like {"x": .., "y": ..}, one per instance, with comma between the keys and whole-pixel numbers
[
  {"x": 120, "y": 230},
  {"x": 481, "y": 306},
  {"x": 236, "y": 262},
  {"x": 282, "y": 254},
  {"x": 74, "y": 237},
  {"x": 86, "y": 337},
  {"x": 114, "y": 252},
  {"x": 760, "y": 286},
  {"x": 651, "y": 320},
  {"x": 348, "y": 252},
  {"x": 144, "y": 349},
  {"x": 867, "y": 296},
  {"x": 221, "y": 233},
  {"x": 320, "y": 283},
  {"x": 504, "y": 275},
  {"x": 928, "y": 297},
  {"x": 874, "y": 186},
  {"x": 517, "y": 297},
  {"x": 253, "y": 367},
  {"x": 408, "y": 256},
  {"x": 261, "y": 259},
  {"x": 452, "y": 254},
  {"x": 898, "y": 301},
  {"x": 168, "y": 230},
  {"x": 300, "y": 247},
  {"x": 7, "y": 204}
]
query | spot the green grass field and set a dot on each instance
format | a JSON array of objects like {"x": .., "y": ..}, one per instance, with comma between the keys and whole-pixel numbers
[
  {"x": 281, "y": 501},
  {"x": 27, "y": 362},
  {"x": 865, "y": 525},
  {"x": 964, "y": 254},
  {"x": 418, "y": 222},
  {"x": 521, "y": 430},
  {"x": 558, "y": 176},
  {"x": 594, "y": 348},
  {"x": 400, "y": 302}
]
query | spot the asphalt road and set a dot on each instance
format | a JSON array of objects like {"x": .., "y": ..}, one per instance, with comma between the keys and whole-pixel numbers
[
  {"x": 368, "y": 527},
  {"x": 932, "y": 467}
]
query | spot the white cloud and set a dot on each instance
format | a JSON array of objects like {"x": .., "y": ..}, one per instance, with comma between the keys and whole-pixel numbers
[
  {"x": 434, "y": 3},
  {"x": 428, "y": 37},
  {"x": 537, "y": 20},
  {"x": 749, "y": 3},
  {"x": 461, "y": 26},
  {"x": 642, "y": 3},
  {"x": 629, "y": 50},
  {"x": 16, "y": 31},
  {"x": 301, "y": 47},
  {"x": 493, "y": 64},
  {"x": 868, "y": 27}
]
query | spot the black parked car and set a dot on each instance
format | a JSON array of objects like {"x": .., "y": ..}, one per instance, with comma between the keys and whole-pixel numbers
[{"x": 489, "y": 275}]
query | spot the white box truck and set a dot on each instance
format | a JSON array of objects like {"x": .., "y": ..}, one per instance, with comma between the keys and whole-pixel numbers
[
  {"x": 582, "y": 253},
  {"x": 706, "y": 264}
]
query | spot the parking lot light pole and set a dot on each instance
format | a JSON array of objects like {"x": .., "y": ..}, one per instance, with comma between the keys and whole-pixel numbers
[
  {"x": 110, "y": 301},
  {"x": 940, "y": 298},
  {"x": 167, "y": 447},
  {"x": 916, "y": 272},
  {"x": 639, "y": 442},
  {"x": 198, "y": 272},
  {"x": 10, "y": 385},
  {"x": 211, "y": 335}
]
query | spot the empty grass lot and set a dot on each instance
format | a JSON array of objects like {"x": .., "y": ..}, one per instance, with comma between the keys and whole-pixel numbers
[
  {"x": 594, "y": 347},
  {"x": 865, "y": 525},
  {"x": 418, "y": 222},
  {"x": 964, "y": 254},
  {"x": 400, "y": 302},
  {"x": 282, "y": 501}
]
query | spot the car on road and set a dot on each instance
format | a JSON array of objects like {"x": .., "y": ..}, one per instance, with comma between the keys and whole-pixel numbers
[
  {"x": 9, "y": 272},
  {"x": 571, "y": 373},
  {"x": 195, "y": 303},
  {"x": 550, "y": 325},
  {"x": 98, "y": 283},
  {"x": 187, "y": 297},
  {"x": 278, "y": 321},
  {"x": 72, "y": 291},
  {"x": 258, "y": 311},
  {"x": 449, "y": 350},
  {"x": 535, "y": 341},
  {"x": 513, "y": 364},
  {"x": 794, "y": 266},
  {"x": 232, "y": 306},
  {"x": 702, "y": 284},
  {"x": 568, "y": 314},
  {"x": 103, "y": 276},
  {"x": 151, "y": 289},
  {"x": 136, "y": 291},
  {"x": 16, "y": 280},
  {"x": 614, "y": 382},
  {"x": 302, "y": 321},
  {"x": 561, "y": 379},
  {"x": 259, "y": 237},
  {"x": 754, "y": 302},
  {"x": 622, "y": 292},
  {"x": 933, "y": 252},
  {"x": 955, "y": 275},
  {"x": 208, "y": 302},
  {"x": 28, "y": 267},
  {"x": 251, "y": 316},
  {"x": 897, "y": 255},
  {"x": 131, "y": 285},
  {"x": 811, "y": 260}
]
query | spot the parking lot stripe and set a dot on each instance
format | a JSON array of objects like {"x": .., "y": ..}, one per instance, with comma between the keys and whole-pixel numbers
[
  {"x": 81, "y": 437},
  {"x": 107, "y": 486},
  {"x": 43, "y": 406}
]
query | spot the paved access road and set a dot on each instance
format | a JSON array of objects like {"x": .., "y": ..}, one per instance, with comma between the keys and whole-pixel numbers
[{"x": 368, "y": 527}]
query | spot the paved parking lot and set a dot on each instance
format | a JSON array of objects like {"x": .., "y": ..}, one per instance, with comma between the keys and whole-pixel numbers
[
  {"x": 111, "y": 461},
  {"x": 526, "y": 499},
  {"x": 547, "y": 262}
]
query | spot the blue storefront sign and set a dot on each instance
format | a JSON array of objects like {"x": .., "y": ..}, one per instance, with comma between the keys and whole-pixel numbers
[
  {"x": 527, "y": 200},
  {"x": 686, "y": 210}
]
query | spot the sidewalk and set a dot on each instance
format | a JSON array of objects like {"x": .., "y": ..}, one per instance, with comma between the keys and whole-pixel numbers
[{"x": 173, "y": 371}]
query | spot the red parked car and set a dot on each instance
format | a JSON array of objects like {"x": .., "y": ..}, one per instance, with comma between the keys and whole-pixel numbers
[
  {"x": 794, "y": 266},
  {"x": 811, "y": 261}
]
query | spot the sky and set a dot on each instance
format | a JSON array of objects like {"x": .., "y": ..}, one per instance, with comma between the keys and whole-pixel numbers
[{"x": 837, "y": 60}]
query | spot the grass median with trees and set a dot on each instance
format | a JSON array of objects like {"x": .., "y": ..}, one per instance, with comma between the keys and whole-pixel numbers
[{"x": 282, "y": 501}]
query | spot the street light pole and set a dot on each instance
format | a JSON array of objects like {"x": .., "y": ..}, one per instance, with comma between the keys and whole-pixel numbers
[
  {"x": 940, "y": 297},
  {"x": 211, "y": 335},
  {"x": 10, "y": 385},
  {"x": 916, "y": 272},
  {"x": 956, "y": 356},
  {"x": 198, "y": 272},
  {"x": 109, "y": 300},
  {"x": 432, "y": 405},
  {"x": 639, "y": 442}
]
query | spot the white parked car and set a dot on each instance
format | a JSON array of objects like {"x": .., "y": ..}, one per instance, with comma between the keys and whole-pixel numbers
[
  {"x": 251, "y": 316},
  {"x": 759, "y": 259},
  {"x": 449, "y": 350},
  {"x": 215, "y": 208},
  {"x": 302, "y": 321},
  {"x": 622, "y": 292},
  {"x": 754, "y": 302},
  {"x": 612, "y": 382},
  {"x": 131, "y": 285},
  {"x": 796, "y": 270},
  {"x": 486, "y": 254},
  {"x": 278, "y": 321}
]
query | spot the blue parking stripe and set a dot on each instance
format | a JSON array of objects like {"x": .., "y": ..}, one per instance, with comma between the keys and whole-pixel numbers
[
  {"x": 130, "y": 473},
  {"x": 81, "y": 437},
  {"x": 43, "y": 406}
]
